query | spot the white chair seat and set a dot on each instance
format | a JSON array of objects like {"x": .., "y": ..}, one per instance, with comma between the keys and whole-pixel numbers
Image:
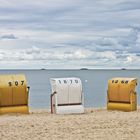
[{"x": 70, "y": 109}]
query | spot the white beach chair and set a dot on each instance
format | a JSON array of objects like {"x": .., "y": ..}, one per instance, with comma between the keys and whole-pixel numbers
[{"x": 66, "y": 96}]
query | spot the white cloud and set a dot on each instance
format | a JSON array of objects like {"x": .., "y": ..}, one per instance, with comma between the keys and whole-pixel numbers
[
  {"x": 129, "y": 59},
  {"x": 65, "y": 58}
]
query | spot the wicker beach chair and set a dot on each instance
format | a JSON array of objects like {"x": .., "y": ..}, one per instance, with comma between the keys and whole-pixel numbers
[
  {"x": 121, "y": 94},
  {"x": 66, "y": 96}
]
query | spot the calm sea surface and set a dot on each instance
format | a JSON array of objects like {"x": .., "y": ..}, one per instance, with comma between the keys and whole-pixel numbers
[{"x": 94, "y": 84}]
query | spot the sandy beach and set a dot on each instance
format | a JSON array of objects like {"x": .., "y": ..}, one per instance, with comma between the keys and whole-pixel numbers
[{"x": 94, "y": 124}]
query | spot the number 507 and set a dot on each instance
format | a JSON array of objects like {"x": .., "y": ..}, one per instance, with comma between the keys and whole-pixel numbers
[{"x": 16, "y": 83}]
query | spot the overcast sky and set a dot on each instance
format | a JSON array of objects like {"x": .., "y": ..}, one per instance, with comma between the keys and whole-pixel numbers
[{"x": 69, "y": 34}]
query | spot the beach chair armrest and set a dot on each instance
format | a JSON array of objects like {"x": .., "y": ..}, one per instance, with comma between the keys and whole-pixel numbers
[
  {"x": 53, "y": 95},
  {"x": 28, "y": 89}
]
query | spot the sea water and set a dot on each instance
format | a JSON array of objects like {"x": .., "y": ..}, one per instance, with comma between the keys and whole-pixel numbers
[{"x": 94, "y": 84}]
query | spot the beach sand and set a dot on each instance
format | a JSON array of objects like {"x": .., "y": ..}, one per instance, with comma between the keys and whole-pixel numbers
[{"x": 94, "y": 124}]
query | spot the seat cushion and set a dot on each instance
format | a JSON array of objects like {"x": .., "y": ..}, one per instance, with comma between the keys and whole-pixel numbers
[{"x": 71, "y": 109}]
